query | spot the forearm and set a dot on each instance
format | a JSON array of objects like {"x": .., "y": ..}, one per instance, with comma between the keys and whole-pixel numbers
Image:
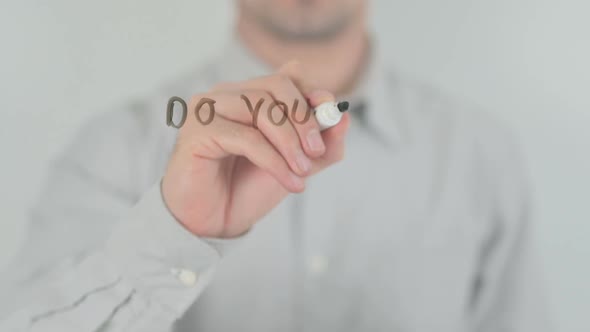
[{"x": 144, "y": 277}]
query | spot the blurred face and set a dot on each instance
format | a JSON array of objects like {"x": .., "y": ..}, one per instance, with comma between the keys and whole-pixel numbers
[{"x": 303, "y": 19}]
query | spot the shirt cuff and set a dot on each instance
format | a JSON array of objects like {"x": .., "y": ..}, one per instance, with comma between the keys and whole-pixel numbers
[{"x": 159, "y": 257}]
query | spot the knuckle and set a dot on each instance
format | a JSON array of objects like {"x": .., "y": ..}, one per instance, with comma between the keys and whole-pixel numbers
[
  {"x": 277, "y": 162},
  {"x": 258, "y": 94},
  {"x": 274, "y": 161},
  {"x": 296, "y": 148},
  {"x": 304, "y": 119},
  {"x": 254, "y": 95}
]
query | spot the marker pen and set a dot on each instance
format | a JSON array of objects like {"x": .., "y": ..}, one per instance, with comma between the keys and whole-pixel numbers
[{"x": 329, "y": 114}]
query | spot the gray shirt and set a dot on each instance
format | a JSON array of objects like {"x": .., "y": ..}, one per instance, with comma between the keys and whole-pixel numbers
[{"x": 422, "y": 227}]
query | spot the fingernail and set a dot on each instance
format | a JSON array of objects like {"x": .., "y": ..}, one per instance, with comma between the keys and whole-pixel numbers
[
  {"x": 303, "y": 163},
  {"x": 320, "y": 96},
  {"x": 315, "y": 141}
]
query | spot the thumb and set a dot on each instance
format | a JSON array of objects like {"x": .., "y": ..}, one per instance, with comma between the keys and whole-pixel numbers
[{"x": 299, "y": 75}]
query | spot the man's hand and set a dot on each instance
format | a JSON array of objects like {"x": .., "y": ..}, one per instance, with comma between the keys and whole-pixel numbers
[{"x": 226, "y": 175}]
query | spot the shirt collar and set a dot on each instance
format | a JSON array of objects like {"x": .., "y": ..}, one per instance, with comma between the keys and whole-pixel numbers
[{"x": 375, "y": 89}]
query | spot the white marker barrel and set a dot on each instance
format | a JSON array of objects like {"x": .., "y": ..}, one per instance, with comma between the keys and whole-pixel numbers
[{"x": 329, "y": 114}]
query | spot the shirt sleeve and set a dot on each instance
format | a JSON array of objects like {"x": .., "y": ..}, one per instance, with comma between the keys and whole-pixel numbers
[
  {"x": 144, "y": 277},
  {"x": 102, "y": 254},
  {"x": 509, "y": 293}
]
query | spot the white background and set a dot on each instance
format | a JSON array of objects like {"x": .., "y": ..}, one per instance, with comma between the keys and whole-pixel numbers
[{"x": 525, "y": 60}]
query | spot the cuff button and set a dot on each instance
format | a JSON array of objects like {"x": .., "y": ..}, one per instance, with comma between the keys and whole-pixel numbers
[{"x": 186, "y": 277}]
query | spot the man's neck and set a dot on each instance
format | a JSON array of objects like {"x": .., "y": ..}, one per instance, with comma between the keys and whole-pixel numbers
[{"x": 335, "y": 64}]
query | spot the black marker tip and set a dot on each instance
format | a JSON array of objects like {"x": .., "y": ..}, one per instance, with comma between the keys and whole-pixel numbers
[{"x": 343, "y": 106}]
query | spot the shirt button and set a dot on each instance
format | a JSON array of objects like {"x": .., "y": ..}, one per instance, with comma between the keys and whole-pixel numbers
[
  {"x": 317, "y": 265},
  {"x": 187, "y": 277}
]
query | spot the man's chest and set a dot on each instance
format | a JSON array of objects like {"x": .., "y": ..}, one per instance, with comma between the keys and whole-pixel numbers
[{"x": 380, "y": 240}]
